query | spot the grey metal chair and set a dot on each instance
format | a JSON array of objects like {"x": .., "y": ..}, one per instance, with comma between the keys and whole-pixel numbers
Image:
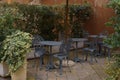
[
  {"x": 91, "y": 50},
  {"x": 85, "y": 34},
  {"x": 36, "y": 40},
  {"x": 107, "y": 49},
  {"x": 39, "y": 50},
  {"x": 102, "y": 36},
  {"x": 63, "y": 53}
]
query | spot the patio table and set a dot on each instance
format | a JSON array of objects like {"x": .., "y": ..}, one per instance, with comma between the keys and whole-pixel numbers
[
  {"x": 99, "y": 41},
  {"x": 50, "y": 44},
  {"x": 76, "y": 40}
]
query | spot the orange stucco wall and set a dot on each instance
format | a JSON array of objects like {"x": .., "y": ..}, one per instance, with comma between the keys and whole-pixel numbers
[{"x": 101, "y": 13}]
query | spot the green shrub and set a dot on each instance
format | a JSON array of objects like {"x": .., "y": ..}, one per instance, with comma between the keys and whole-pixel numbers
[
  {"x": 8, "y": 17},
  {"x": 14, "y": 49},
  {"x": 14, "y": 44},
  {"x": 48, "y": 21},
  {"x": 78, "y": 15},
  {"x": 113, "y": 69}
]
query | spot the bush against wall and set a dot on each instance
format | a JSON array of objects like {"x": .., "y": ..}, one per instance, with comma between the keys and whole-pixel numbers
[
  {"x": 8, "y": 16},
  {"x": 79, "y": 14},
  {"x": 49, "y": 20}
]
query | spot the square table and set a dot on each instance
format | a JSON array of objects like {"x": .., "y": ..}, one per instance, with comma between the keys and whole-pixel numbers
[
  {"x": 76, "y": 40},
  {"x": 50, "y": 44}
]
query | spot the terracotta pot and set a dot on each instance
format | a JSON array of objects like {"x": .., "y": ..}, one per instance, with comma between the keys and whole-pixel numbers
[
  {"x": 21, "y": 73},
  {"x": 4, "y": 71}
]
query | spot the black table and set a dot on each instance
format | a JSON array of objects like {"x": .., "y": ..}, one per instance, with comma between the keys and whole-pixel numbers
[
  {"x": 99, "y": 41},
  {"x": 76, "y": 40},
  {"x": 50, "y": 44}
]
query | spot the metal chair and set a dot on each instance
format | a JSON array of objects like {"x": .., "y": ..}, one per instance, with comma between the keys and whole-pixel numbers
[
  {"x": 107, "y": 49},
  {"x": 36, "y": 40},
  {"x": 63, "y": 53},
  {"x": 39, "y": 51},
  {"x": 102, "y": 36},
  {"x": 91, "y": 50},
  {"x": 85, "y": 34}
]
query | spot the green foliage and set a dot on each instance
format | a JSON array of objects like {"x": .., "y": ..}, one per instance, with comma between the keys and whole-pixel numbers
[
  {"x": 113, "y": 69},
  {"x": 8, "y": 16},
  {"x": 114, "y": 22},
  {"x": 38, "y": 20},
  {"x": 14, "y": 44},
  {"x": 49, "y": 20},
  {"x": 14, "y": 48},
  {"x": 78, "y": 15}
]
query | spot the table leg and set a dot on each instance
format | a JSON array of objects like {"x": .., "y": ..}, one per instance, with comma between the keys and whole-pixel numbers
[
  {"x": 50, "y": 62},
  {"x": 76, "y": 58}
]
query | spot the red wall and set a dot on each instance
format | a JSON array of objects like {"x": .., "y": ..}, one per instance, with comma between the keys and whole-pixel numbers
[{"x": 101, "y": 13}]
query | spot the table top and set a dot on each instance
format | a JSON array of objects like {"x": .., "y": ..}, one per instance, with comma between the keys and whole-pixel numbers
[
  {"x": 51, "y": 43},
  {"x": 79, "y": 39},
  {"x": 99, "y": 36},
  {"x": 102, "y": 36},
  {"x": 93, "y": 36}
]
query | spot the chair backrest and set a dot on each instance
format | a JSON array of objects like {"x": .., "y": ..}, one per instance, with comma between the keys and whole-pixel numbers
[
  {"x": 85, "y": 34},
  {"x": 62, "y": 48},
  {"x": 94, "y": 42},
  {"x": 69, "y": 45},
  {"x": 105, "y": 33},
  {"x": 37, "y": 39},
  {"x": 66, "y": 46}
]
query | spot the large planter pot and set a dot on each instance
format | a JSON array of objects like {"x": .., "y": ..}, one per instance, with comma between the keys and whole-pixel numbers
[
  {"x": 21, "y": 73},
  {"x": 4, "y": 70}
]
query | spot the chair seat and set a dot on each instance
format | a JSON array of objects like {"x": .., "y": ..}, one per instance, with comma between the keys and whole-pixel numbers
[
  {"x": 89, "y": 49},
  {"x": 65, "y": 63},
  {"x": 107, "y": 46},
  {"x": 40, "y": 51},
  {"x": 60, "y": 56}
]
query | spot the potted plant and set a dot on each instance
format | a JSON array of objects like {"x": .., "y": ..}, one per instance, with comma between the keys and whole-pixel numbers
[{"x": 13, "y": 53}]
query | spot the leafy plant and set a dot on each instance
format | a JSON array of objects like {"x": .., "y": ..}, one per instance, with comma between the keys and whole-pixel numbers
[
  {"x": 8, "y": 16},
  {"x": 78, "y": 15},
  {"x": 113, "y": 69},
  {"x": 14, "y": 48},
  {"x": 14, "y": 44},
  {"x": 48, "y": 21}
]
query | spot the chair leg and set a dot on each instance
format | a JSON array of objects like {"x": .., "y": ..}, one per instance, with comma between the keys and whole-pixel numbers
[
  {"x": 83, "y": 53},
  {"x": 60, "y": 67},
  {"x": 91, "y": 55},
  {"x": 68, "y": 65},
  {"x": 109, "y": 53},
  {"x": 86, "y": 56},
  {"x": 41, "y": 61},
  {"x": 95, "y": 58}
]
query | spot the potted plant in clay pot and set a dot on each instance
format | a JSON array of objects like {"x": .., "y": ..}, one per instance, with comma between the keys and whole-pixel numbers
[
  {"x": 13, "y": 53},
  {"x": 14, "y": 44}
]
